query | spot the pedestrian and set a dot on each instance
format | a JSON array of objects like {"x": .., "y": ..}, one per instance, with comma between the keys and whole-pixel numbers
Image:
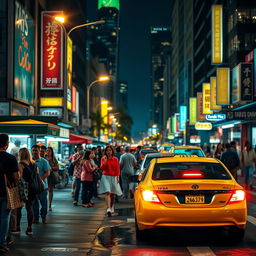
[
  {"x": 77, "y": 158},
  {"x": 43, "y": 151},
  {"x": 219, "y": 150},
  {"x": 44, "y": 172},
  {"x": 248, "y": 161},
  {"x": 8, "y": 169},
  {"x": 54, "y": 177},
  {"x": 87, "y": 178},
  {"x": 127, "y": 164},
  {"x": 208, "y": 152},
  {"x": 138, "y": 157},
  {"x": 109, "y": 184},
  {"x": 118, "y": 152},
  {"x": 231, "y": 160},
  {"x": 95, "y": 162},
  {"x": 26, "y": 167}
]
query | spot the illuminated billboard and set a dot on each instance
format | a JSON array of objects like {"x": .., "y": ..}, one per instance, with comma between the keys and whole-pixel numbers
[
  {"x": 192, "y": 111},
  {"x": 214, "y": 105},
  {"x": 206, "y": 99},
  {"x": 223, "y": 83},
  {"x": 108, "y": 3}
]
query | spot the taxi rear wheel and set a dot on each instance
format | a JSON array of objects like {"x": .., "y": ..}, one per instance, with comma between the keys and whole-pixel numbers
[{"x": 236, "y": 235}]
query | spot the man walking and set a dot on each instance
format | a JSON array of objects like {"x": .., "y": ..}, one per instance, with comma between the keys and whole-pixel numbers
[
  {"x": 127, "y": 164},
  {"x": 8, "y": 167},
  {"x": 44, "y": 172}
]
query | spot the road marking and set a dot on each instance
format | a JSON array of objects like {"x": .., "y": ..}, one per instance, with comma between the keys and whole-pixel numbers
[
  {"x": 201, "y": 251},
  {"x": 252, "y": 220},
  {"x": 131, "y": 220}
]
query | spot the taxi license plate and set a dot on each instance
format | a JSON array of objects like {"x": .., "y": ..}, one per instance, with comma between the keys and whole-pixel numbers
[{"x": 194, "y": 199}]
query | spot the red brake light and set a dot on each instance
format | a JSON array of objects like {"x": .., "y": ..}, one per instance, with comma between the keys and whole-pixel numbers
[
  {"x": 237, "y": 196},
  {"x": 192, "y": 175}
]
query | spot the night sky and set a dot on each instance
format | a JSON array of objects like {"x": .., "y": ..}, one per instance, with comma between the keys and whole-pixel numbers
[{"x": 136, "y": 18}]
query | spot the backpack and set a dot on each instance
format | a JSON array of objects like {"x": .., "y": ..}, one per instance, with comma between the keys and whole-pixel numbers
[{"x": 35, "y": 183}]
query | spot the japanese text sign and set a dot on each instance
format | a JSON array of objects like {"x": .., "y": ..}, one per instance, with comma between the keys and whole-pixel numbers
[
  {"x": 51, "y": 52},
  {"x": 223, "y": 84},
  {"x": 214, "y": 105},
  {"x": 246, "y": 81},
  {"x": 206, "y": 99},
  {"x": 200, "y": 115}
]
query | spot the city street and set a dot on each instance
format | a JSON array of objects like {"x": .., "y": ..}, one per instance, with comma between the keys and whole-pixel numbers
[{"x": 81, "y": 231}]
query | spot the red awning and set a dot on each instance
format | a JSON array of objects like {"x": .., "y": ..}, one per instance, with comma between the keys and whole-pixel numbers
[{"x": 78, "y": 139}]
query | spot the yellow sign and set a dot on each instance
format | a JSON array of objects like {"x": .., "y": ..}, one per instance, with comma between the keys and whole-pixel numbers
[
  {"x": 104, "y": 112},
  {"x": 207, "y": 99},
  {"x": 214, "y": 105},
  {"x": 203, "y": 126},
  {"x": 51, "y": 102},
  {"x": 222, "y": 86},
  {"x": 217, "y": 35},
  {"x": 192, "y": 111},
  {"x": 69, "y": 73},
  {"x": 200, "y": 115}
]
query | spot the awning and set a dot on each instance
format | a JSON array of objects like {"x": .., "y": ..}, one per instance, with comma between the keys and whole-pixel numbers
[
  {"x": 29, "y": 126},
  {"x": 78, "y": 139}
]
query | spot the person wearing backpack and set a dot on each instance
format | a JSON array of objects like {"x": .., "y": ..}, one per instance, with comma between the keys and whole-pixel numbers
[
  {"x": 26, "y": 167},
  {"x": 8, "y": 169}
]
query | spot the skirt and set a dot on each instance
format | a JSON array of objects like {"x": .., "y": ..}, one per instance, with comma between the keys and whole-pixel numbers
[{"x": 109, "y": 184}]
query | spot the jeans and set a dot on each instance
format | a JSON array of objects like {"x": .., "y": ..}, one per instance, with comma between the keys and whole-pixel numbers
[
  {"x": 87, "y": 191},
  {"x": 77, "y": 189},
  {"x": 95, "y": 188},
  {"x": 44, "y": 204},
  {"x": 125, "y": 184},
  {"x": 29, "y": 208},
  {"x": 4, "y": 219},
  {"x": 248, "y": 172}
]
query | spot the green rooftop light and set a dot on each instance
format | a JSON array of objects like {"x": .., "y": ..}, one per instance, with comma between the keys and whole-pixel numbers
[{"x": 109, "y": 3}]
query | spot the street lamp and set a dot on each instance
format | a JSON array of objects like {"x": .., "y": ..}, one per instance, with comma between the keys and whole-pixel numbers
[{"x": 99, "y": 80}]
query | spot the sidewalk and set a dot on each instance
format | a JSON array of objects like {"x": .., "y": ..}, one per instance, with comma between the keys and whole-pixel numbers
[{"x": 70, "y": 230}]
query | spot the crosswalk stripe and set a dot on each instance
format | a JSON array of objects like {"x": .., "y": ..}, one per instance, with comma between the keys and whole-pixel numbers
[
  {"x": 201, "y": 251},
  {"x": 252, "y": 220},
  {"x": 131, "y": 220}
]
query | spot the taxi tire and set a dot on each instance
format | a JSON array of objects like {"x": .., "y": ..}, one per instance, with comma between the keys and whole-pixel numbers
[
  {"x": 141, "y": 235},
  {"x": 236, "y": 235}
]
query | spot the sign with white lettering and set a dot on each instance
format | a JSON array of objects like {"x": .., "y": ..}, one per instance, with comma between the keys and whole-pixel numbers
[
  {"x": 216, "y": 117},
  {"x": 51, "y": 112},
  {"x": 241, "y": 115}
]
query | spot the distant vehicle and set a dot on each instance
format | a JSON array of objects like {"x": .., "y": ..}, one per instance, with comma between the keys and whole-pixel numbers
[
  {"x": 145, "y": 151},
  {"x": 187, "y": 150},
  {"x": 166, "y": 147},
  {"x": 188, "y": 191}
]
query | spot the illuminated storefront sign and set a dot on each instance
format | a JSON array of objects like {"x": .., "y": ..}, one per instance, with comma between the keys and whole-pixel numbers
[
  {"x": 51, "y": 52},
  {"x": 51, "y": 112},
  {"x": 69, "y": 74},
  {"x": 235, "y": 94},
  {"x": 246, "y": 71},
  {"x": 51, "y": 102},
  {"x": 214, "y": 106},
  {"x": 194, "y": 139},
  {"x": 223, "y": 83},
  {"x": 204, "y": 126},
  {"x": 217, "y": 35},
  {"x": 108, "y": 3},
  {"x": 214, "y": 139},
  {"x": 74, "y": 105},
  {"x": 104, "y": 113},
  {"x": 207, "y": 99},
  {"x": 183, "y": 117},
  {"x": 192, "y": 111},
  {"x": 24, "y": 55},
  {"x": 200, "y": 115},
  {"x": 216, "y": 117},
  {"x": 64, "y": 133},
  {"x": 241, "y": 115}
]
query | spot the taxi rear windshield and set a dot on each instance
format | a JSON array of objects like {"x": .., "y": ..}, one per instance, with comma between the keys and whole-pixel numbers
[
  {"x": 195, "y": 170},
  {"x": 188, "y": 151}
]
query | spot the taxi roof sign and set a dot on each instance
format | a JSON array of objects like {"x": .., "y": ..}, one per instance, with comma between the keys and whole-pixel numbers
[{"x": 185, "y": 155}]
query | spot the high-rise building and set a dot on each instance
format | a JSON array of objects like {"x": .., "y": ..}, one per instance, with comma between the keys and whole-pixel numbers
[
  {"x": 123, "y": 94},
  {"x": 160, "y": 49}
]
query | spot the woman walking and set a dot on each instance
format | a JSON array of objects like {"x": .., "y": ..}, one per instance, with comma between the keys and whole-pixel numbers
[
  {"x": 218, "y": 152},
  {"x": 109, "y": 184},
  {"x": 87, "y": 179},
  {"x": 26, "y": 167},
  {"x": 54, "y": 175}
]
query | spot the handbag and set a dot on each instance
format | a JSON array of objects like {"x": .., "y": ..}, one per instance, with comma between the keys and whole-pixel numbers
[
  {"x": 23, "y": 189},
  {"x": 54, "y": 177},
  {"x": 97, "y": 174},
  {"x": 13, "y": 196}
]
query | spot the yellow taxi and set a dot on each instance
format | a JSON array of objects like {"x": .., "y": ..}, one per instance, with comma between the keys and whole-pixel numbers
[
  {"x": 166, "y": 147},
  {"x": 189, "y": 191},
  {"x": 187, "y": 150}
]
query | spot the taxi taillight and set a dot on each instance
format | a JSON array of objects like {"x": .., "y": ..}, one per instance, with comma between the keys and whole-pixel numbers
[
  {"x": 150, "y": 196},
  {"x": 192, "y": 175},
  {"x": 237, "y": 196}
]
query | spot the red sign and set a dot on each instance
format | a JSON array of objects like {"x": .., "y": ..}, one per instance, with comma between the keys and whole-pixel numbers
[
  {"x": 73, "y": 99},
  {"x": 51, "y": 52},
  {"x": 249, "y": 57}
]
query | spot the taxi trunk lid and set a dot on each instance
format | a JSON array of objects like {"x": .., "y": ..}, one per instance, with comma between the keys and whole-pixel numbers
[{"x": 194, "y": 193}]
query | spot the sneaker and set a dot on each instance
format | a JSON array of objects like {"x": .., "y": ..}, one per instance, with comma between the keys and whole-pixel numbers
[
  {"x": 75, "y": 203},
  {"x": 10, "y": 240},
  {"x": 112, "y": 209},
  {"x": 16, "y": 231},
  {"x": 109, "y": 212},
  {"x": 4, "y": 249},
  {"x": 44, "y": 221},
  {"x": 29, "y": 231},
  {"x": 35, "y": 221}
]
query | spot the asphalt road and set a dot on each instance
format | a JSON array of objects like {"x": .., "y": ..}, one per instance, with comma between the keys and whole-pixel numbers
[{"x": 87, "y": 231}]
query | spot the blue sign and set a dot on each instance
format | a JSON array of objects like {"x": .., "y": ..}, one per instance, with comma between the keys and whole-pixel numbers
[
  {"x": 183, "y": 117},
  {"x": 216, "y": 117}
]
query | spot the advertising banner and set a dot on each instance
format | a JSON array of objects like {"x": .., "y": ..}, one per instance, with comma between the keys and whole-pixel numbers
[
  {"x": 192, "y": 111},
  {"x": 206, "y": 99},
  {"x": 246, "y": 81},
  {"x": 69, "y": 73},
  {"x": 217, "y": 35},
  {"x": 205, "y": 126},
  {"x": 51, "y": 112},
  {"x": 108, "y": 3},
  {"x": 104, "y": 112},
  {"x": 223, "y": 83},
  {"x": 24, "y": 55},
  {"x": 235, "y": 93},
  {"x": 214, "y": 105},
  {"x": 241, "y": 115},
  {"x": 74, "y": 99},
  {"x": 51, "y": 52},
  {"x": 200, "y": 115},
  {"x": 183, "y": 117}
]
